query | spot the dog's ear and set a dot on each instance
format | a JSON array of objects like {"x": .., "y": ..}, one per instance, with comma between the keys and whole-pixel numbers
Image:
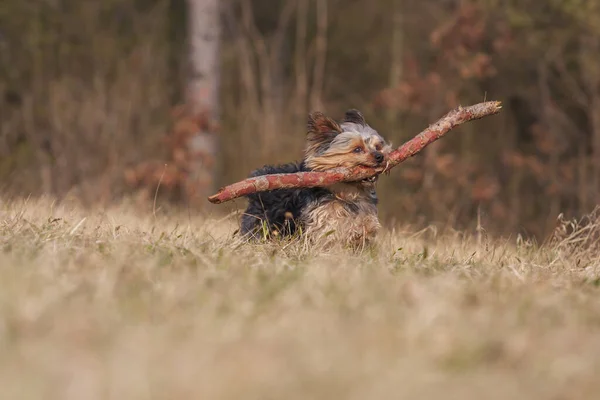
[
  {"x": 321, "y": 131},
  {"x": 322, "y": 125},
  {"x": 355, "y": 116}
]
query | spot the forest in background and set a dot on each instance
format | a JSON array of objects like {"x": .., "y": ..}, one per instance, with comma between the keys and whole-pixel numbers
[{"x": 91, "y": 95}]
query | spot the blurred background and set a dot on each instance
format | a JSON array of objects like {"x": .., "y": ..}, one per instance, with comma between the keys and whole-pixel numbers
[{"x": 105, "y": 100}]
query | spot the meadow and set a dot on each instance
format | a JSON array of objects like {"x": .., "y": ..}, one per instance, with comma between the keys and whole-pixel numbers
[{"x": 125, "y": 303}]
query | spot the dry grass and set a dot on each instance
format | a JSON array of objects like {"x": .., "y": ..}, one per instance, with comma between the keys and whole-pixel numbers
[{"x": 123, "y": 304}]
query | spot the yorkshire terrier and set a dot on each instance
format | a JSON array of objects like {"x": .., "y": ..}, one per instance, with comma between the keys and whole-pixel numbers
[{"x": 345, "y": 212}]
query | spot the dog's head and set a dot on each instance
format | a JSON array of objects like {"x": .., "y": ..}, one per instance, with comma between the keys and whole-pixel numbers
[{"x": 349, "y": 144}]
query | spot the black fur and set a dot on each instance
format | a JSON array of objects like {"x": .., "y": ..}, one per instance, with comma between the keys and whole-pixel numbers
[
  {"x": 271, "y": 207},
  {"x": 355, "y": 116}
]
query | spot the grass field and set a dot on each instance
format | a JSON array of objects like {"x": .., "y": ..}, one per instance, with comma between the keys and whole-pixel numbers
[{"x": 126, "y": 304}]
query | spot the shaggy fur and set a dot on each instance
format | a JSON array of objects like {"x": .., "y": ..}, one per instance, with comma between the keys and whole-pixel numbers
[{"x": 344, "y": 212}]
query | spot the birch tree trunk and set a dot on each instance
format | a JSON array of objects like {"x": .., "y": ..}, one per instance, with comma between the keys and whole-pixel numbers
[
  {"x": 202, "y": 92},
  {"x": 590, "y": 69}
]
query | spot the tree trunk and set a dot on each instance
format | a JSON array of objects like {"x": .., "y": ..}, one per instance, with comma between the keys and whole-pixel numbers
[
  {"x": 396, "y": 58},
  {"x": 202, "y": 93},
  {"x": 591, "y": 74}
]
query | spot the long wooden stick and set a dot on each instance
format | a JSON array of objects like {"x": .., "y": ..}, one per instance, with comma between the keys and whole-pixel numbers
[{"x": 313, "y": 179}]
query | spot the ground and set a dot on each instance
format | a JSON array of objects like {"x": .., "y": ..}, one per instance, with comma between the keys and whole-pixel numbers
[{"x": 129, "y": 304}]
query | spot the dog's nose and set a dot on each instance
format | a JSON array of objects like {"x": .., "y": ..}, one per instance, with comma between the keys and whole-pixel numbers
[{"x": 378, "y": 156}]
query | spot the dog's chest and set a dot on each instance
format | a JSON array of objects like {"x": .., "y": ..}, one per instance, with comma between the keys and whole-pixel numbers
[{"x": 351, "y": 222}]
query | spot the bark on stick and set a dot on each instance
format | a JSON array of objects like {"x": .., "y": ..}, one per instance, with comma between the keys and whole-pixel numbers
[{"x": 314, "y": 179}]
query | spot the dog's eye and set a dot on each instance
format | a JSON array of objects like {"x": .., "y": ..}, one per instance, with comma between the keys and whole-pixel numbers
[{"x": 358, "y": 149}]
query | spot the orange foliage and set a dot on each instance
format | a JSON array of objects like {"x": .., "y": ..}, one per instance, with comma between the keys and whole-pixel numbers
[{"x": 173, "y": 174}]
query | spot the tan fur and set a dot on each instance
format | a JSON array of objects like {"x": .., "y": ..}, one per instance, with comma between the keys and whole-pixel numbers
[
  {"x": 336, "y": 222},
  {"x": 341, "y": 152}
]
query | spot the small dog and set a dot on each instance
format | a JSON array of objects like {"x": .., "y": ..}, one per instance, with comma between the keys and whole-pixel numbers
[{"x": 344, "y": 212}]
